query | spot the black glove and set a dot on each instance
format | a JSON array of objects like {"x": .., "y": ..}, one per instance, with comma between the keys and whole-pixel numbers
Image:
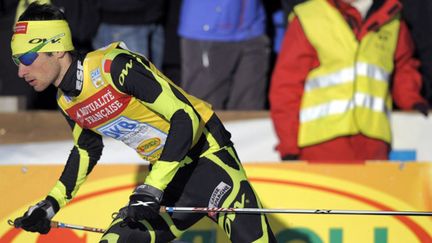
[
  {"x": 290, "y": 157},
  {"x": 37, "y": 218},
  {"x": 144, "y": 203},
  {"x": 422, "y": 108}
]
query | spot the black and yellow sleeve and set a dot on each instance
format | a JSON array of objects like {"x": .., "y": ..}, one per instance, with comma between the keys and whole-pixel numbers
[{"x": 83, "y": 157}]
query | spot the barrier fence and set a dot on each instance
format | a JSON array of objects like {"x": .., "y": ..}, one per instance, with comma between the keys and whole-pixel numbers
[{"x": 381, "y": 186}]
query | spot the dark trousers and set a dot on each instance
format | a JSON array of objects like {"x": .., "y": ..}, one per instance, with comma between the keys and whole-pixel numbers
[
  {"x": 228, "y": 75},
  {"x": 215, "y": 180}
]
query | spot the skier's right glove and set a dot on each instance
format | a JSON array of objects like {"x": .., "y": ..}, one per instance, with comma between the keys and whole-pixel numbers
[
  {"x": 37, "y": 218},
  {"x": 144, "y": 203}
]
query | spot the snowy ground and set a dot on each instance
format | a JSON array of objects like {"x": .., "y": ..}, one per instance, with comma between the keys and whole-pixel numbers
[{"x": 254, "y": 140}]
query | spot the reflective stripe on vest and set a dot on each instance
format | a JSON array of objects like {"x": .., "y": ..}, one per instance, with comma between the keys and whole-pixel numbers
[
  {"x": 341, "y": 106},
  {"x": 347, "y": 75}
]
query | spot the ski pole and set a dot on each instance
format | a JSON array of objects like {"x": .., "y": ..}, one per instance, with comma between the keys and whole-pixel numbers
[
  {"x": 290, "y": 211},
  {"x": 56, "y": 224}
]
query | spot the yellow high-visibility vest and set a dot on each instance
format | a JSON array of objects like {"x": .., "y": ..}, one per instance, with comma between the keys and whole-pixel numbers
[{"x": 349, "y": 92}]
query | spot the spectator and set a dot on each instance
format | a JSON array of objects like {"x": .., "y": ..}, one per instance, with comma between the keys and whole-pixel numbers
[
  {"x": 225, "y": 52},
  {"x": 138, "y": 23},
  {"x": 417, "y": 14},
  {"x": 171, "y": 60},
  {"x": 330, "y": 92},
  {"x": 279, "y": 26}
]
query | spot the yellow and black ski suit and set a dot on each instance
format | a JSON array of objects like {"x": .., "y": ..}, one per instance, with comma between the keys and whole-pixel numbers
[{"x": 117, "y": 93}]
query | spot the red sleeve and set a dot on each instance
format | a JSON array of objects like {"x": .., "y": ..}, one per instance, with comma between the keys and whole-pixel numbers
[
  {"x": 296, "y": 58},
  {"x": 407, "y": 80}
]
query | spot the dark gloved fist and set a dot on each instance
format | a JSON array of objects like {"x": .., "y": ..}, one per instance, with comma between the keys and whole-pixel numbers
[
  {"x": 37, "y": 218},
  {"x": 423, "y": 108},
  {"x": 144, "y": 203},
  {"x": 290, "y": 157}
]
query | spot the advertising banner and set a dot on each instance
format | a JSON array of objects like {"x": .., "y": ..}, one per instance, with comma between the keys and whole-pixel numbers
[{"x": 380, "y": 186}]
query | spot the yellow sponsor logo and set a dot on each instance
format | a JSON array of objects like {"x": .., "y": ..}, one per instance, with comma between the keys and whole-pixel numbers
[
  {"x": 149, "y": 145},
  {"x": 124, "y": 73}
]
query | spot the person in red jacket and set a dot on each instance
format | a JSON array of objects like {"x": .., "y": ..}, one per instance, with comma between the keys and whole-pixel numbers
[{"x": 341, "y": 65}]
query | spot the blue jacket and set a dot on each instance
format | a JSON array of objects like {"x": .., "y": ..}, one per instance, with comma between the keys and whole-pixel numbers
[{"x": 222, "y": 20}]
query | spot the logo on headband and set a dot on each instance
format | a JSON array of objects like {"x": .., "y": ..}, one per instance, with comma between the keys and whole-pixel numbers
[{"x": 21, "y": 28}]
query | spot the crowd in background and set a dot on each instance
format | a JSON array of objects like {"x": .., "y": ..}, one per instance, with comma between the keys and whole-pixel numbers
[
  {"x": 164, "y": 28},
  {"x": 156, "y": 29}
]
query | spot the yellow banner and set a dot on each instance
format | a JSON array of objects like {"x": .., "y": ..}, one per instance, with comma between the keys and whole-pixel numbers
[{"x": 373, "y": 186}]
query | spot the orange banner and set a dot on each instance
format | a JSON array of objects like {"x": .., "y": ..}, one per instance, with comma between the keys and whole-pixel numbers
[{"x": 373, "y": 186}]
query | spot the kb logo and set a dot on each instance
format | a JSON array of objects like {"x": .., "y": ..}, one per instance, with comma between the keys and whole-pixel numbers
[{"x": 119, "y": 128}]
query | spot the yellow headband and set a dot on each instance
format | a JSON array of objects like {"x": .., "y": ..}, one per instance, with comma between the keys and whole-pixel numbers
[{"x": 55, "y": 34}]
